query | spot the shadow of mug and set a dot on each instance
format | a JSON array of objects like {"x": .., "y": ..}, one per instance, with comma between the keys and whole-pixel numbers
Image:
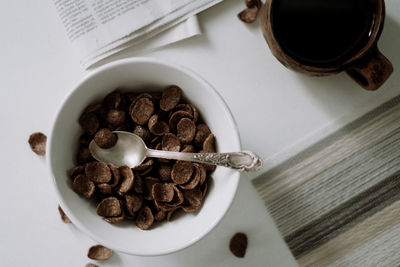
[{"x": 366, "y": 65}]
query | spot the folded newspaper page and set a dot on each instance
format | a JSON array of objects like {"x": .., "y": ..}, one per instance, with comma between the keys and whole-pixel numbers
[
  {"x": 100, "y": 28},
  {"x": 181, "y": 31}
]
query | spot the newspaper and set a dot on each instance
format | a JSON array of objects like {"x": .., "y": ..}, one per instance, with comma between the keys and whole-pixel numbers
[{"x": 100, "y": 28}]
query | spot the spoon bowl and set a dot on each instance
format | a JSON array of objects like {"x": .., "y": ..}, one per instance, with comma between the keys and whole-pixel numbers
[{"x": 129, "y": 150}]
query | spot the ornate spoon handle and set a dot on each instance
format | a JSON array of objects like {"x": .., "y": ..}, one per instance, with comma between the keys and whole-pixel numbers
[{"x": 242, "y": 161}]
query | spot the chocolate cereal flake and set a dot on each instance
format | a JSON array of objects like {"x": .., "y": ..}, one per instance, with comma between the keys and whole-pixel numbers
[
  {"x": 186, "y": 129},
  {"x": 91, "y": 265},
  {"x": 176, "y": 201},
  {"x": 133, "y": 203},
  {"x": 113, "y": 100},
  {"x": 143, "y": 95},
  {"x": 157, "y": 127},
  {"x": 149, "y": 182},
  {"x": 146, "y": 171},
  {"x": 189, "y": 108},
  {"x": 115, "y": 175},
  {"x": 171, "y": 213},
  {"x": 83, "y": 186},
  {"x": 138, "y": 184},
  {"x": 170, "y": 142},
  {"x": 145, "y": 165},
  {"x": 77, "y": 170},
  {"x": 170, "y": 98},
  {"x": 192, "y": 200},
  {"x": 37, "y": 142},
  {"x": 182, "y": 172},
  {"x": 109, "y": 207},
  {"x": 104, "y": 138},
  {"x": 99, "y": 253},
  {"x": 141, "y": 110},
  {"x": 164, "y": 171},
  {"x": 89, "y": 122},
  {"x": 127, "y": 179},
  {"x": 195, "y": 113},
  {"x": 115, "y": 117},
  {"x": 142, "y": 133},
  {"x": 189, "y": 149},
  {"x": 204, "y": 189},
  {"x": 184, "y": 107},
  {"x": 249, "y": 15},
  {"x": 178, "y": 197},
  {"x": 145, "y": 218},
  {"x": 176, "y": 117},
  {"x": 202, "y": 131},
  {"x": 105, "y": 189},
  {"x": 98, "y": 172},
  {"x": 203, "y": 173},
  {"x": 194, "y": 180},
  {"x": 163, "y": 192},
  {"x": 238, "y": 245},
  {"x": 116, "y": 219},
  {"x": 160, "y": 215},
  {"x": 209, "y": 144},
  {"x": 64, "y": 217},
  {"x": 165, "y": 206}
]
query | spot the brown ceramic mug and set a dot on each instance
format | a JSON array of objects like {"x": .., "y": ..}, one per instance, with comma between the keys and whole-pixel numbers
[{"x": 366, "y": 65}]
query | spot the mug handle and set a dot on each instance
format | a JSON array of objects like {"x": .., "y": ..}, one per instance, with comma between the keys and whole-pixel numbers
[{"x": 372, "y": 70}]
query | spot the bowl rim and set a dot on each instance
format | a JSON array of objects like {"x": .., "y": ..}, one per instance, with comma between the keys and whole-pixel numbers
[{"x": 139, "y": 60}]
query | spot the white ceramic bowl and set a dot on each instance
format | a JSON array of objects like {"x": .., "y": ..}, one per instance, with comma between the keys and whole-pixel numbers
[{"x": 139, "y": 74}]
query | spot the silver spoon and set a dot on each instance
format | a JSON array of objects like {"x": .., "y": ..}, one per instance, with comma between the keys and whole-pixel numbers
[{"x": 130, "y": 150}]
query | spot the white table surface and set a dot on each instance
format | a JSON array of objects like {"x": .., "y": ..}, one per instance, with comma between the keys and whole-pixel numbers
[{"x": 278, "y": 113}]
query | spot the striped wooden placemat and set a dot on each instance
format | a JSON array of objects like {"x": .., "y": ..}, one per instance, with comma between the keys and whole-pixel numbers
[{"x": 338, "y": 202}]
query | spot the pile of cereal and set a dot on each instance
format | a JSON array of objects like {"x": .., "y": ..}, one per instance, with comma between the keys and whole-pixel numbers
[{"x": 157, "y": 188}]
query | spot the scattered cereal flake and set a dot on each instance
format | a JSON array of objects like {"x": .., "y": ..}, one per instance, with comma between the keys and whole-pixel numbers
[{"x": 37, "y": 142}]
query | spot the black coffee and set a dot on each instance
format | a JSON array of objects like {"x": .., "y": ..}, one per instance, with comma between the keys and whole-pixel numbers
[{"x": 321, "y": 32}]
